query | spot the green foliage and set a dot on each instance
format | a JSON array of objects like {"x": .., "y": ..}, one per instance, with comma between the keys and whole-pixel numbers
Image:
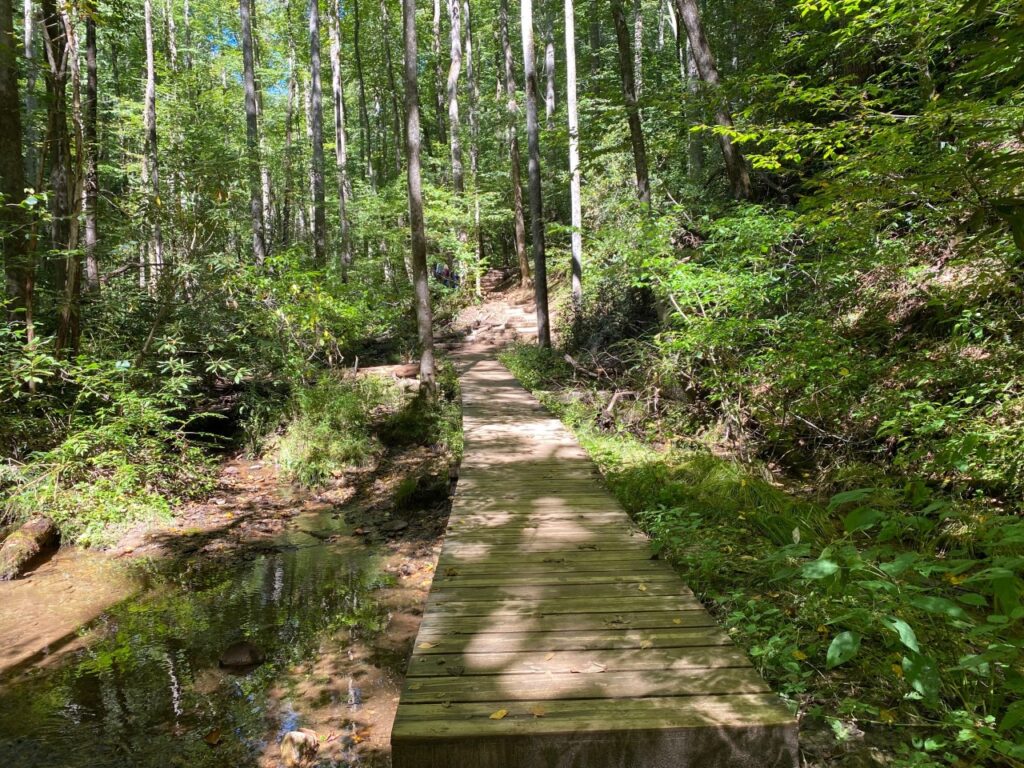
[
  {"x": 127, "y": 453},
  {"x": 331, "y": 428}
]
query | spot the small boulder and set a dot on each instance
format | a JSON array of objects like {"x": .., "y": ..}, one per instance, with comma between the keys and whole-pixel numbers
[
  {"x": 26, "y": 544},
  {"x": 242, "y": 656},
  {"x": 299, "y": 748}
]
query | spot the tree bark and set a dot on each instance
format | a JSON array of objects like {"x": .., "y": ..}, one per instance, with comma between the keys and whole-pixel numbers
[
  {"x": 735, "y": 165},
  {"x": 30, "y": 149},
  {"x": 18, "y": 268},
  {"x": 317, "y": 129},
  {"x": 340, "y": 143},
  {"x": 287, "y": 161},
  {"x": 454, "y": 69},
  {"x": 252, "y": 141},
  {"x": 695, "y": 142},
  {"x": 574, "y": 155},
  {"x": 474, "y": 139},
  {"x": 396, "y": 109},
  {"x": 365, "y": 144},
  {"x": 152, "y": 160},
  {"x": 540, "y": 282},
  {"x": 549, "y": 70},
  {"x": 424, "y": 317},
  {"x": 519, "y": 223},
  {"x": 636, "y": 133},
  {"x": 638, "y": 46},
  {"x": 435, "y": 49},
  {"x": 92, "y": 180}
]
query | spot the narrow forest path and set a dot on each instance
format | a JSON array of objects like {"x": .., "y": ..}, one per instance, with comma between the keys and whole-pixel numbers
[{"x": 551, "y": 635}]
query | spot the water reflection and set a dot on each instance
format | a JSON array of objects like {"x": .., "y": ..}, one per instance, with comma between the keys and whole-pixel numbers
[{"x": 147, "y": 689}]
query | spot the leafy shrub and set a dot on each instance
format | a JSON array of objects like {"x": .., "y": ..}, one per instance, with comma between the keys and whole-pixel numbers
[{"x": 332, "y": 427}]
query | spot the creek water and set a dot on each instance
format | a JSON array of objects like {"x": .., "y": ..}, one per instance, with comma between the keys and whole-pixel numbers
[{"x": 141, "y": 685}]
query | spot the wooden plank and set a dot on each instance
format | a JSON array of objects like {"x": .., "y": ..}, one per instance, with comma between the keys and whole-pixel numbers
[
  {"x": 435, "y": 624},
  {"x": 455, "y": 579},
  {"x": 588, "y": 683},
  {"x": 524, "y": 662},
  {"x": 641, "y": 565},
  {"x": 610, "y": 639},
  {"x": 446, "y": 591},
  {"x": 575, "y": 605}
]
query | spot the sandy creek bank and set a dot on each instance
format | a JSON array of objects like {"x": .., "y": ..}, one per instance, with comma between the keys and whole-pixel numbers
[{"x": 112, "y": 659}]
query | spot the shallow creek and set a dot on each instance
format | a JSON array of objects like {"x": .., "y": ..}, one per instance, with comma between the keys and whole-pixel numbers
[{"x": 130, "y": 673}]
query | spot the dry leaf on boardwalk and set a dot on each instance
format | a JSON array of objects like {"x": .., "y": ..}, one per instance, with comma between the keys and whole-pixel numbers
[{"x": 499, "y": 714}]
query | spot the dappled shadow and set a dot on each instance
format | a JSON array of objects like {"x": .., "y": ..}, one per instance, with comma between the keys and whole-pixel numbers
[{"x": 552, "y": 637}]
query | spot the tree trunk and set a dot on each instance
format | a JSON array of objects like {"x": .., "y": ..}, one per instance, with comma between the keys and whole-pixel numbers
[
  {"x": 365, "y": 145},
  {"x": 540, "y": 282},
  {"x": 636, "y": 133},
  {"x": 424, "y": 318},
  {"x": 30, "y": 149},
  {"x": 18, "y": 267},
  {"x": 252, "y": 140},
  {"x": 156, "y": 247},
  {"x": 266, "y": 187},
  {"x": 638, "y": 46},
  {"x": 454, "y": 69},
  {"x": 695, "y": 142},
  {"x": 289, "y": 120},
  {"x": 549, "y": 70},
  {"x": 519, "y": 223},
  {"x": 735, "y": 165},
  {"x": 340, "y": 143},
  {"x": 474, "y": 140},
  {"x": 172, "y": 35},
  {"x": 435, "y": 50},
  {"x": 574, "y": 155},
  {"x": 396, "y": 109},
  {"x": 317, "y": 128},
  {"x": 92, "y": 180}
]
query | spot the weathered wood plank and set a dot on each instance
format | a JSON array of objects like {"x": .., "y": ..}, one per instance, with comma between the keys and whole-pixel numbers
[
  {"x": 622, "y": 660},
  {"x": 610, "y": 639},
  {"x": 439, "y": 624},
  {"x": 576, "y": 605}
]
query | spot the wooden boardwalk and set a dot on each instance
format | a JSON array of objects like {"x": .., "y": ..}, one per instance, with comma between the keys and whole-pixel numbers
[{"x": 551, "y": 639}]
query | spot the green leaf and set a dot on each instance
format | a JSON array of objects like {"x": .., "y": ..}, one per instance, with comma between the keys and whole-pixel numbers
[
  {"x": 904, "y": 630},
  {"x": 941, "y": 606},
  {"x": 819, "y": 569},
  {"x": 923, "y": 675},
  {"x": 1014, "y": 716},
  {"x": 843, "y": 647},
  {"x": 858, "y": 494},
  {"x": 861, "y": 519},
  {"x": 973, "y": 599}
]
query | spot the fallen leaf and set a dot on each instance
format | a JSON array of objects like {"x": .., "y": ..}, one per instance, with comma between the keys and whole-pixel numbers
[
  {"x": 598, "y": 667},
  {"x": 499, "y": 714},
  {"x": 677, "y": 621},
  {"x": 213, "y": 738},
  {"x": 645, "y": 644},
  {"x": 415, "y": 686},
  {"x": 799, "y": 655},
  {"x": 425, "y": 646},
  {"x": 642, "y": 587},
  {"x": 887, "y": 716},
  {"x": 550, "y": 656},
  {"x": 537, "y": 711}
]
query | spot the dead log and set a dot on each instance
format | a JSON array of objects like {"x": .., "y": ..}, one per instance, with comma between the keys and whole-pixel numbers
[{"x": 25, "y": 545}]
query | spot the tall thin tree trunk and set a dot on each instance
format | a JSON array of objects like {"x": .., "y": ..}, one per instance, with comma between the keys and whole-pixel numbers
[
  {"x": 365, "y": 145},
  {"x": 172, "y": 34},
  {"x": 252, "y": 141},
  {"x": 340, "y": 142},
  {"x": 549, "y": 70},
  {"x": 317, "y": 129},
  {"x": 18, "y": 268},
  {"x": 735, "y": 165},
  {"x": 596, "y": 41},
  {"x": 474, "y": 140},
  {"x": 187, "y": 20},
  {"x": 638, "y": 46},
  {"x": 266, "y": 186},
  {"x": 424, "y": 318},
  {"x": 540, "y": 282},
  {"x": 519, "y": 223},
  {"x": 454, "y": 69},
  {"x": 695, "y": 142},
  {"x": 396, "y": 109},
  {"x": 636, "y": 133},
  {"x": 156, "y": 256},
  {"x": 92, "y": 181},
  {"x": 289, "y": 128},
  {"x": 435, "y": 50},
  {"x": 30, "y": 148},
  {"x": 574, "y": 155}
]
